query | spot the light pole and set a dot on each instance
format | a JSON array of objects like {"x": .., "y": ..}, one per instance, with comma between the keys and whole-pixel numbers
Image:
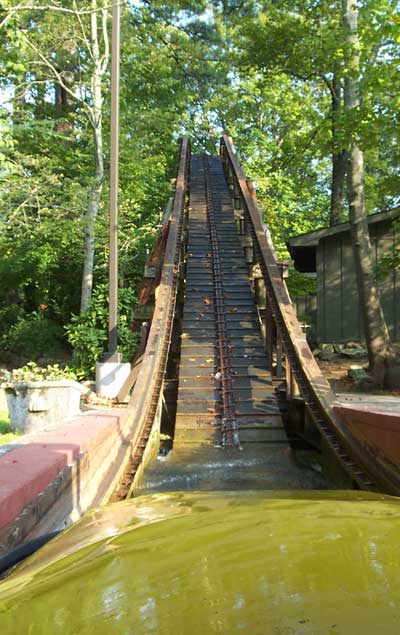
[
  {"x": 112, "y": 374},
  {"x": 112, "y": 355}
]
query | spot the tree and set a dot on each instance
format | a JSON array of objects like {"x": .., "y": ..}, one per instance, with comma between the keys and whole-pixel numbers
[
  {"x": 100, "y": 59},
  {"x": 49, "y": 148},
  {"x": 379, "y": 347},
  {"x": 339, "y": 157},
  {"x": 57, "y": 48},
  {"x": 302, "y": 40},
  {"x": 270, "y": 73}
]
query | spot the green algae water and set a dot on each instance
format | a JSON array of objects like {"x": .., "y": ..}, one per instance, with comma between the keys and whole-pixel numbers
[{"x": 255, "y": 563}]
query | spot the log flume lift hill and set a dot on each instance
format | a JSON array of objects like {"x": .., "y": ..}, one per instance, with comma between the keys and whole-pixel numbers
[{"x": 226, "y": 362}]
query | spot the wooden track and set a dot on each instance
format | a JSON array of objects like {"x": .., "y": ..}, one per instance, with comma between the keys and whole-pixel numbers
[
  {"x": 200, "y": 404},
  {"x": 226, "y": 393}
]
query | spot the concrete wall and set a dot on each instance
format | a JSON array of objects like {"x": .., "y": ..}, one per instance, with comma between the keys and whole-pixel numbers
[{"x": 3, "y": 401}]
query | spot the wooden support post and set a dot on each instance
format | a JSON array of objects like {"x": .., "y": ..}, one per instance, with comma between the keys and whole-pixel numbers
[
  {"x": 229, "y": 179},
  {"x": 289, "y": 384},
  {"x": 270, "y": 339},
  {"x": 279, "y": 355},
  {"x": 259, "y": 290},
  {"x": 292, "y": 388},
  {"x": 131, "y": 379},
  {"x": 295, "y": 387}
]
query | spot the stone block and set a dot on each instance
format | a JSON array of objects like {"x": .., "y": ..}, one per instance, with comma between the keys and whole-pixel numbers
[
  {"x": 42, "y": 405},
  {"x": 110, "y": 377}
]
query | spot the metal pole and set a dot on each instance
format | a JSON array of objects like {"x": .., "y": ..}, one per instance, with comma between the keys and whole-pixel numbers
[{"x": 112, "y": 354}]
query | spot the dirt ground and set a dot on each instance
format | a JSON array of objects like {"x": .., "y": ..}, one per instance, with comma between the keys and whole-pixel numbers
[{"x": 335, "y": 372}]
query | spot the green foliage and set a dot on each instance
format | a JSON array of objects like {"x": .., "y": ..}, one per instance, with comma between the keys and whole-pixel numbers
[
  {"x": 261, "y": 71},
  {"x": 9, "y": 315},
  {"x": 5, "y": 426},
  {"x": 47, "y": 146},
  {"x": 32, "y": 372},
  {"x": 88, "y": 333},
  {"x": 391, "y": 261},
  {"x": 33, "y": 336},
  {"x": 6, "y": 433},
  {"x": 300, "y": 284}
]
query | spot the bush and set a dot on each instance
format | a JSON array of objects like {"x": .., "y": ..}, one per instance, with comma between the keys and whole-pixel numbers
[
  {"x": 33, "y": 372},
  {"x": 9, "y": 315},
  {"x": 33, "y": 336},
  {"x": 300, "y": 284},
  {"x": 88, "y": 333}
]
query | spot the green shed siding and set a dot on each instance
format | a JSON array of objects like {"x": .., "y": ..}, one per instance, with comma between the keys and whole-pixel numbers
[{"x": 339, "y": 317}]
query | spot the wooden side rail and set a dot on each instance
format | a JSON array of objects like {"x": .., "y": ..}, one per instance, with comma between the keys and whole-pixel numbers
[
  {"x": 303, "y": 375},
  {"x": 145, "y": 397}
]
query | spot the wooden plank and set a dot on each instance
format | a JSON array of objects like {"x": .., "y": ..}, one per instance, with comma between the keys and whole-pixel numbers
[
  {"x": 352, "y": 328},
  {"x": 333, "y": 289},
  {"x": 146, "y": 393},
  {"x": 130, "y": 380}
]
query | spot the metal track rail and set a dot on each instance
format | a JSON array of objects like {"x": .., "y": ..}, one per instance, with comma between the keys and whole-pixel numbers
[
  {"x": 230, "y": 432},
  {"x": 365, "y": 469},
  {"x": 147, "y": 393}
]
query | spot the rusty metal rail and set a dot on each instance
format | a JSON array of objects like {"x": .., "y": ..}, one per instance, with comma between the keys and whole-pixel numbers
[
  {"x": 147, "y": 393},
  {"x": 230, "y": 432},
  {"x": 303, "y": 375}
]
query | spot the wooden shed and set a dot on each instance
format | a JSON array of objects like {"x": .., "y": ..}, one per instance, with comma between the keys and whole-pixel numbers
[{"x": 328, "y": 252}]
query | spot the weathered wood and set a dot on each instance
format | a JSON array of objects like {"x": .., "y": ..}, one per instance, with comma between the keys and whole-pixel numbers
[
  {"x": 146, "y": 394},
  {"x": 313, "y": 386},
  {"x": 130, "y": 380}
]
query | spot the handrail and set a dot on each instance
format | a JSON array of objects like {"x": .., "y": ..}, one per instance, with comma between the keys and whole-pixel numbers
[
  {"x": 364, "y": 468},
  {"x": 146, "y": 394}
]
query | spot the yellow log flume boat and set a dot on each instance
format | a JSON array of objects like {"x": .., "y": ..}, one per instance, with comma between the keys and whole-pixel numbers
[{"x": 216, "y": 562}]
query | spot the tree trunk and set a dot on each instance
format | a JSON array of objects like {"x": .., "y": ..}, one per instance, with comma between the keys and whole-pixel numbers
[
  {"x": 63, "y": 107},
  {"x": 97, "y": 186},
  {"x": 91, "y": 216},
  {"x": 376, "y": 332},
  {"x": 338, "y": 155},
  {"x": 66, "y": 66}
]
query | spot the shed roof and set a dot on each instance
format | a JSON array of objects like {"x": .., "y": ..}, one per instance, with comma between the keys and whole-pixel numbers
[{"x": 302, "y": 248}]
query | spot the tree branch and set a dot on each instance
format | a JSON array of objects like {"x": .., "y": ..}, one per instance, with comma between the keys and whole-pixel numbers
[
  {"x": 58, "y": 75},
  {"x": 31, "y": 6},
  {"x": 87, "y": 43},
  {"x": 106, "y": 54}
]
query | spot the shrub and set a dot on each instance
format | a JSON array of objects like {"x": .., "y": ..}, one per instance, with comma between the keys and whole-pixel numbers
[
  {"x": 88, "y": 333},
  {"x": 32, "y": 336},
  {"x": 9, "y": 315},
  {"x": 300, "y": 284},
  {"x": 33, "y": 372}
]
